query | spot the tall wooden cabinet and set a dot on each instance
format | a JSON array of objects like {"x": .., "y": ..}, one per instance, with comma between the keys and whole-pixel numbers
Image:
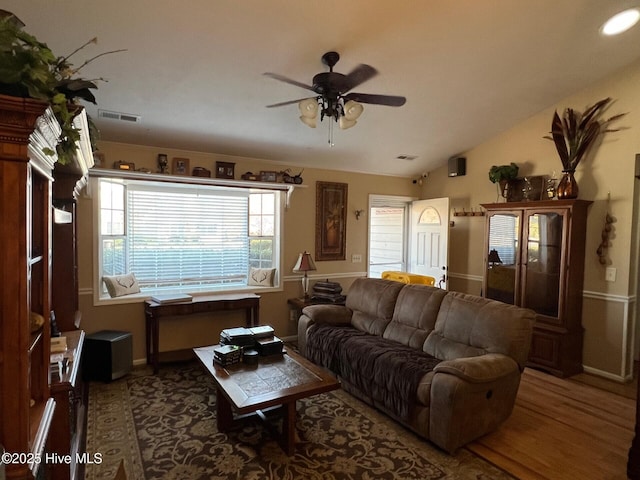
[
  {"x": 40, "y": 413},
  {"x": 534, "y": 258},
  {"x": 26, "y": 408}
]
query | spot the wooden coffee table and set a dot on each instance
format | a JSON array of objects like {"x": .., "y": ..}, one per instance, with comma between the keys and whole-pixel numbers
[{"x": 276, "y": 381}]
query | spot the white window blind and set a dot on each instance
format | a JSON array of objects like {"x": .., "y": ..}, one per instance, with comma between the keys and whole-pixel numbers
[
  {"x": 504, "y": 237},
  {"x": 387, "y": 234},
  {"x": 180, "y": 237}
]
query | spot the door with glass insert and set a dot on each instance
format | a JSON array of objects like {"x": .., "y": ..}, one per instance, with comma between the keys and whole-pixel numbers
[{"x": 542, "y": 272}]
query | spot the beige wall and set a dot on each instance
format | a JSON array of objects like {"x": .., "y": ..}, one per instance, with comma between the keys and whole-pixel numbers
[
  {"x": 299, "y": 228},
  {"x": 608, "y": 313}
]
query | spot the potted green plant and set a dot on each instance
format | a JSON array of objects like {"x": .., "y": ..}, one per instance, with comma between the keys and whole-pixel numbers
[
  {"x": 501, "y": 174},
  {"x": 573, "y": 135},
  {"x": 28, "y": 68}
]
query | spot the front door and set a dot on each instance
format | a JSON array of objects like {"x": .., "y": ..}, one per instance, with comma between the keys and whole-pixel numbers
[{"x": 429, "y": 244}]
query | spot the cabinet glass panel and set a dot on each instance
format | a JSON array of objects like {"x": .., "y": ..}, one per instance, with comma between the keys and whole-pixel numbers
[
  {"x": 502, "y": 257},
  {"x": 544, "y": 252}
]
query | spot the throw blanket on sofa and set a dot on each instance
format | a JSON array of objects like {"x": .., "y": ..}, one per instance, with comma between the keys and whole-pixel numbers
[{"x": 387, "y": 371}]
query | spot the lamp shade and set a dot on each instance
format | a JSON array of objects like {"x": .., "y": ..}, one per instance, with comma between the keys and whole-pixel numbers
[
  {"x": 309, "y": 110},
  {"x": 344, "y": 123},
  {"x": 352, "y": 110},
  {"x": 494, "y": 257},
  {"x": 304, "y": 263}
]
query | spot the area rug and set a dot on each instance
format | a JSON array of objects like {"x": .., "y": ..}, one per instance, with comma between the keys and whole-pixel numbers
[{"x": 163, "y": 427}]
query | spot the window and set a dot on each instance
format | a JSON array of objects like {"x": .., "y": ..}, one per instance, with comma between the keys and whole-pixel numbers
[
  {"x": 387, "y": 234},
  {"x": 186, "y": 237}
]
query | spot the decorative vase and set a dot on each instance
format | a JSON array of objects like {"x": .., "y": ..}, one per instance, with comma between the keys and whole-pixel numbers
[
  {"x": 567, "y": 187},
  {"x": 503, "y": 189}
]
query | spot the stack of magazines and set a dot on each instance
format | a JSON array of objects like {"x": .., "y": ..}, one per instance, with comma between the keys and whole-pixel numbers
[{"x": 327, "y": 292}]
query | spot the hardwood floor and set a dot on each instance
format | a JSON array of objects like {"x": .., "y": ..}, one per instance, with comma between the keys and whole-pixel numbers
[{"x": 564, "y": 429}]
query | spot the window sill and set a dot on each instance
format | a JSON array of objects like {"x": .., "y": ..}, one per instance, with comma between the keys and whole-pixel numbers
[{"x": 142, "y": 297}]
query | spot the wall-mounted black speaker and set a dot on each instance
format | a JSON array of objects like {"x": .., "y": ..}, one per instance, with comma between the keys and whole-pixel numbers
[{"x": 457, "y": 166}]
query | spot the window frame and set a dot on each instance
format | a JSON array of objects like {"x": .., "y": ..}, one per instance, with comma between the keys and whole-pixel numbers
[{"x": 280, "y": 204}]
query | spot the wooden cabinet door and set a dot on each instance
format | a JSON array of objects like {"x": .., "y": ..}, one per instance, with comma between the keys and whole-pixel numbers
[{"x": 543, "y": 258}]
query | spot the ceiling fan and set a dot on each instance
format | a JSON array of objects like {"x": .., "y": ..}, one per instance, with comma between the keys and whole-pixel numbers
[{"x": 333, "y": 97}]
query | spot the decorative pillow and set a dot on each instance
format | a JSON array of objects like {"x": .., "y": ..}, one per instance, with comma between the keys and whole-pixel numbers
[
  {"x": 261, "y": 277},
  {"x": 119, "y": 285}
]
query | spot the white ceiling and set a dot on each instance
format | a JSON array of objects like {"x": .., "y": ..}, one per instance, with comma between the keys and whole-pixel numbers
[{"x": 193, "y": 70}]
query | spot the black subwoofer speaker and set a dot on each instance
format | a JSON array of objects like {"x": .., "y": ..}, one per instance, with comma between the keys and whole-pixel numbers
[
  {"x": 457, "y": 166},
  {"x": 108, "y": 355}
]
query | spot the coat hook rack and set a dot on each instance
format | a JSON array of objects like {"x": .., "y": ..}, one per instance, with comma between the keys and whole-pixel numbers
[{"x": 472, "y": 213}]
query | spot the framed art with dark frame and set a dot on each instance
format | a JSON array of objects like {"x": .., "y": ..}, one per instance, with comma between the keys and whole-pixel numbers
[
  {"x": 225, "y": 170},
  {"x": 180, "y": 166},
  {"x": 331, "y": 221}
]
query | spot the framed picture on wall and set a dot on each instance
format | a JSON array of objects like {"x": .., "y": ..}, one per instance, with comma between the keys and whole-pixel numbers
[{"x": 331, "y": 221}]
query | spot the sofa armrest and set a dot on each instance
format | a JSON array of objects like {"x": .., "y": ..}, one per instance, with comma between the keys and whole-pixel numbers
[
  {"x": 480, "y": 369},
  {"x": 331, "y": 314},
  {"x": 471, "y": 397},
  {"x": 327, "y": 314}
]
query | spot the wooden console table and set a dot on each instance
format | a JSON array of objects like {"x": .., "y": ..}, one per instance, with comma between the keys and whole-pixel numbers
[{"x": 199, "y": 304}]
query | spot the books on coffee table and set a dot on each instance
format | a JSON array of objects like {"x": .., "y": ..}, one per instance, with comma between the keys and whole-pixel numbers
[{"x": 227, "y": 355}]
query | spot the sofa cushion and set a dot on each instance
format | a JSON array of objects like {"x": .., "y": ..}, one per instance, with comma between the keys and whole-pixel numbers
[
  {"x": 414, "y": 316},
  {"x": 469, "y": 326},
  {"x": 372, "y": 301}
]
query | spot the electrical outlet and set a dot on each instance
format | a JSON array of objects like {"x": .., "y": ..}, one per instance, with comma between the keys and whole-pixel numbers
[
  {"x": 356, "y": 258},
  {"x": 610, "y": 274}
]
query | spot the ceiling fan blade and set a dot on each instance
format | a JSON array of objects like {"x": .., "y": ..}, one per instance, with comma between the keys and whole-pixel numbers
[
  {"x": 388, "y": 100},
  {"x": 288, "y": 80},
  {"x": 290, "y": 102},
  {"x": 359, "y": 75}
]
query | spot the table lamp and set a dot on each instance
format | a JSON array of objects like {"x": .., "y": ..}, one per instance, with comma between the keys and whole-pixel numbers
[
  {"x": 493, "y": 258},
  {"x": 304, "y": 264}
]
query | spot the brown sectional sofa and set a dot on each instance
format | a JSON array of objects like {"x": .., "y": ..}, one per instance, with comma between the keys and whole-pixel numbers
[{"x": 445, "y": 364}]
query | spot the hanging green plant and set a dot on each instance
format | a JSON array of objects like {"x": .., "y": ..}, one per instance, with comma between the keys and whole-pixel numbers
[{"x": 28, "y": 68}]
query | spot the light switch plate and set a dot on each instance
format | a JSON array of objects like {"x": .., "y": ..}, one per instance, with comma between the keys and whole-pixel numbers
[{"x": 610, "y": 274}]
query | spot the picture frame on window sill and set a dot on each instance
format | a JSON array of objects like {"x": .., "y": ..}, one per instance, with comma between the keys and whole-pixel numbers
[
  {"x": 225, "y": 170},
  {"x": 180, "y": 166}
]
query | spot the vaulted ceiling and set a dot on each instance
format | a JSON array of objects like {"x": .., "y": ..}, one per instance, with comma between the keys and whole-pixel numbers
[{"x": 193, "y": 70}]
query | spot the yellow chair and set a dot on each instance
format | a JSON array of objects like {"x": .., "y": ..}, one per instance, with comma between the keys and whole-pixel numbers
[{"x": 406, "y": 277}]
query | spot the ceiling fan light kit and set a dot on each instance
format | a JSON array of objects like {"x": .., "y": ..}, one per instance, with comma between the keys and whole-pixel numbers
[{"x": 333, "y": 99}]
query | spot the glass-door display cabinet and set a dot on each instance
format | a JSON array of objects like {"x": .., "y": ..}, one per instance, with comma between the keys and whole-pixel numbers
[{"x": 534, "y": 258}]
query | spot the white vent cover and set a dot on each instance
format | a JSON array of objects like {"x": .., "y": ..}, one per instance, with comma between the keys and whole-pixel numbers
[
  {"x": 406, "y": 157},
  {"x": 125, "y": 117}
]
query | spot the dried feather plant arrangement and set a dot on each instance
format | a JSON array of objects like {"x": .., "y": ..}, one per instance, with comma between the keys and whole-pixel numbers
[{"x": 574, "y": 133}]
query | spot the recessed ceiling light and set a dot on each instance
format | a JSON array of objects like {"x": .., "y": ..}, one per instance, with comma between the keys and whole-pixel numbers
[{"x": 621, "y": 22}]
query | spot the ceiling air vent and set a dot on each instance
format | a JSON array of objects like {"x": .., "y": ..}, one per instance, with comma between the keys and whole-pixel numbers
[
  {"x": 125, "y": 117},
  {"x": 407, "y": 157}
]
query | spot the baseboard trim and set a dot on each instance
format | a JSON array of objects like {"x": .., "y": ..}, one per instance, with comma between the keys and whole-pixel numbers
[{"x": 607, "y": 375}]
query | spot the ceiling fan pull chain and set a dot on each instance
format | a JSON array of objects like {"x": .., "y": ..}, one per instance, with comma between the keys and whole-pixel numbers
[{"x": 331, "y": 144}]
